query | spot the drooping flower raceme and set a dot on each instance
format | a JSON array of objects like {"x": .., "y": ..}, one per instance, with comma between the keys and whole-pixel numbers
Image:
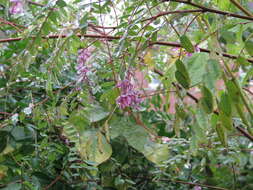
[
  {"x": 165, "y": 139},
  {"x": 197, "y": 188},
  {"x": 129, "y": 97},
  {"x": 82, "y": 68},
  {"x": 16, "y": 7}
]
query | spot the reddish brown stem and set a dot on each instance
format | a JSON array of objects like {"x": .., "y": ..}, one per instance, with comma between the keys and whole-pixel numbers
[
  {"x": 172, "y": 44},
  {"x": 173, "y": 12},
  {"x": 211, "y": 10},
  {"x": 241, "y": 130}
]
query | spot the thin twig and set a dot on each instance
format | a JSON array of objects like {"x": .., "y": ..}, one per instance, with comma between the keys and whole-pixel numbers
[
  {"x": 107, "y": 37},
  {"x": 241, "y": 130},
  {"x": 53, "y": 182},
  {"x": 211, "y": 10},
  {"x": 239, "y": 6},
  {"x": 173, "y": 12}
]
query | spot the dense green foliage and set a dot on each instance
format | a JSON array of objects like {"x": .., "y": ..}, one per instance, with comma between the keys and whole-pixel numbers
[{"x": 73, "y": 114}]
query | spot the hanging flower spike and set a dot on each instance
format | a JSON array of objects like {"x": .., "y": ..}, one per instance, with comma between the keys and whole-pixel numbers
[
  {"x": 125, "y": 86},
  {"x": 165, "y": 139},
  {"x": 129, "y": 97},
  {"x": 82, "y": 68},
  {"x": 16, "y": 6},
  {"x": 83, "y": 55},
  {"x": 197, "y": 188}
]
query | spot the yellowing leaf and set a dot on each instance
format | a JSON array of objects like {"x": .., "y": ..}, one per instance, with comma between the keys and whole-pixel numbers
[
  {"x": 156, "y": 153},
  {"x": 148, "y": 59},
  {"x": 94, "y": 147}
]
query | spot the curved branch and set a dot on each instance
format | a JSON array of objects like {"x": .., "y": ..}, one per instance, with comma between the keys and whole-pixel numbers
[
  {"x": 239, "y": 6},
  {"x": 173, "y": 12},
  {"x": 109, "y": 38},
  {"x": 211, "y": 10}
]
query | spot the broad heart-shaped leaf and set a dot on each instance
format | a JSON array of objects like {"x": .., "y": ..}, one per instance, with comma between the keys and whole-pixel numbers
[
  {"x": 207, "y": 100},
  {"x": 196, "y": 66},
  {"x": 94, "y": 147},
  {"x": 186, "y": 43},
  {"x": 156, "y": 153},
  {"x": 79, "y": 120},
  {"x": 225, "y": 104},
  {"x": 139, "y": 139},
  {"x": 13, "y": 186},
  {"x": 96, "y": 113},
  {"x": 221, "y": 134},
  {"x": 22, "y": 133}
]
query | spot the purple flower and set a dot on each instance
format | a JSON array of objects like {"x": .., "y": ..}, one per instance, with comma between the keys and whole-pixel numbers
[
  {"x": 165, "y": 139},
  {"x": 188, "y": 54},
  {"x": 175, "y": 49},
  {"x": 82, "y": 68},
  {"x": 196, "y": 49},
  {"x": 16, "y": 6},
  {"x": 129, "y": 97},
  {"x": 197, "y": 188},
  {"x": 125, "y": 86},
  {"x": 83, "y": 55}
]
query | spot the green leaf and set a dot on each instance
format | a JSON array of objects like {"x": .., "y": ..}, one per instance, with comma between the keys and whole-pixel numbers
[
  {"x": 212, "y": 74},
  {"x": 249, "y": 47},
  {"x": 3, "y": 140},
  {"x": 233, "y": 92},
  {"x": 94, "y": 147},
  {"x": 226, "y": 121},
  {"x": 61, "y": 3},
  {"x": 196, "y": 66},
  {"x": 181, "y": 67},
  {"x": 225, "y": 104},
  {"x": 83, "y": 24},
  {"x": 207, "y": 100},
  {"x": 138, "y": 138},
  {"x": 182, "y": 80},
  {"x": 241, "y": 61},
  {"x": 182, "y": 75},
  {"x": 12, "y": 186},
  {"x": 186, "y": 43},
  {"x": 156, "y": 153},
  {"x": 22, "y": 133},
  {"x": 202, "y": 119},
  {"x": 221, "y": 134},
  {"x": 79, "y": 120},
  {"x": 96, "y": 113},
  {"x": 110, "y": 95}
]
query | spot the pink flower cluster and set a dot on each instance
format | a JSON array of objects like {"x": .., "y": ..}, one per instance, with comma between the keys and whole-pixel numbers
[
  {"x": 82, "y": 68},
  {"x": 129, "y": 97},
  {"x": 188, "y": 54},
  {"x": 165, "y": 139},
  {"x": 16, "y": 6},
  {"x": 197, "y": 188}
]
